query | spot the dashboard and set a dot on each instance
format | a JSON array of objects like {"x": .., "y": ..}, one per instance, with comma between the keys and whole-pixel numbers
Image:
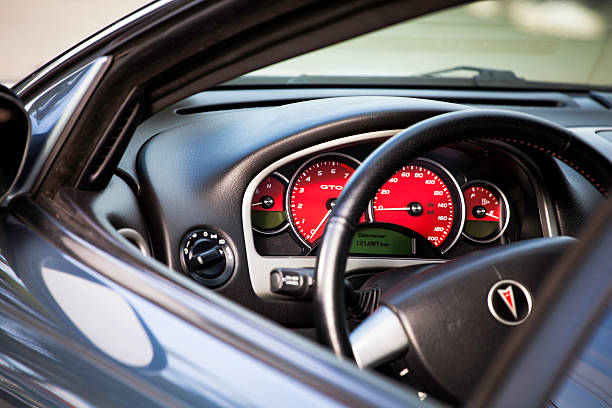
[{"x": 256, "y": 183}]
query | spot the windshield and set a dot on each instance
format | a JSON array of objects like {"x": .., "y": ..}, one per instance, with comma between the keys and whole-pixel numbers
[{"x": 565, "y": 42}]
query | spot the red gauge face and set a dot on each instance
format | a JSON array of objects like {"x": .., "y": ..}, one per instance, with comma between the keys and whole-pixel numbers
[
  {"x": 416, "y": 197},
  {"x": 313, "y": 193},
  {"x": 486, "y": 211},
  {"x": 267, "y": 206},
  {"x": 481, "y": 204}
]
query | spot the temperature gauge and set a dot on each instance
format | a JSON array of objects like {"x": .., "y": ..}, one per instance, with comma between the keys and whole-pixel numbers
[
  {"x": 267, "y": 206},
  {"x": 487, "y": 211}
]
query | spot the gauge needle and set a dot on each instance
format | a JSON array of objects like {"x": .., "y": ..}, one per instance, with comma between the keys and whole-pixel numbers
[
  {"x": 392, "y": 209},
  {"x": 259, "y": 203},
  {"x": 494, "y": 216},
  {"x": 321, "y": 223}
]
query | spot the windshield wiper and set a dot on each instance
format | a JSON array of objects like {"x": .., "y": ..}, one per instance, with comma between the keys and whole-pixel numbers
[{"x": 484, "y": 77}]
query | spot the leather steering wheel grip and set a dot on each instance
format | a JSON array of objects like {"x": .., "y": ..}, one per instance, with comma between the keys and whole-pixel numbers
[{"x": 474, "y": 124}]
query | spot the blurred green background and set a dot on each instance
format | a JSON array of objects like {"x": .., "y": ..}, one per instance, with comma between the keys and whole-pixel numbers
[{"x": 557, "y": 41}]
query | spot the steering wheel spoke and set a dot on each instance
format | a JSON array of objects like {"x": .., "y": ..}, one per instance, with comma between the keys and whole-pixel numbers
[
  {"x": 379, "y": 338},
  {"x": 453, "y": 318}
]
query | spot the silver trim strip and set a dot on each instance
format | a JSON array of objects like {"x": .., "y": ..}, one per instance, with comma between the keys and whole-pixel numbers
[
  {"x": 97, "y": 37},
  {"x": 260, "y": 266},
  {"x": 135, "y": 238},
  {"x": 550, "y": 228}
]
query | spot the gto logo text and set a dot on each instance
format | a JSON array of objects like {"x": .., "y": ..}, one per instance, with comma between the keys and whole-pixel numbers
[{"x": 330, "y": 187}]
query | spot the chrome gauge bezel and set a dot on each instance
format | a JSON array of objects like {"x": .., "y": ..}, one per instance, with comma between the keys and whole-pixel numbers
[
  {"x": 505, "y": 207},
  {"x": 305, "y": 165},
  {"x": 285, "y": 224}
]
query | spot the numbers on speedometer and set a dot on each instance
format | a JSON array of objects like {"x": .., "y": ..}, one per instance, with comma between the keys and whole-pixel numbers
[
  {"x": 313, "y": 192},
  {"x": 424, "y": 197}
]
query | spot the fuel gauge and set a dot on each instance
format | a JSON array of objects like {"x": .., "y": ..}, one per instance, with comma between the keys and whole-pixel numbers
[
  {"x": 487, "y": 211},
  {"x": 267, "y": 206}
]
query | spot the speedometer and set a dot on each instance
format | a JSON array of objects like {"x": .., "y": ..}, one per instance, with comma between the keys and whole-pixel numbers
[
  {"x": 313, "y": 191},
  {"x": 424, "y": 197}
]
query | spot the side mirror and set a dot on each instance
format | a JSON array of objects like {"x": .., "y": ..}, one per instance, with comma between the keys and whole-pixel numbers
[{"x": 14, "y": 139}]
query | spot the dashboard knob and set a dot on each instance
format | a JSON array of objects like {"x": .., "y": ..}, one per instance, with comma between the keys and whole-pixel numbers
[{"x": 206, "y": 257}]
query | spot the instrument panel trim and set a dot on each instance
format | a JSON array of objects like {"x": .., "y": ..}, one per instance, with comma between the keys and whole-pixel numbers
[{"x": 260, "y": 266}]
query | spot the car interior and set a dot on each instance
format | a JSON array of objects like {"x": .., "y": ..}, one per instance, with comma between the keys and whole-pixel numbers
[{"x": 234, "y": 187}]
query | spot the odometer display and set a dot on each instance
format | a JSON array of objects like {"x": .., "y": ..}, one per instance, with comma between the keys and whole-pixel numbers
[
  {"x": 313, "y": 192},
  {"x": 425, "y": 198}
]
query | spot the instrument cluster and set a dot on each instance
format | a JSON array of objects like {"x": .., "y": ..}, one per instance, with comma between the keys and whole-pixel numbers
[{"x": 422, "y": 211}]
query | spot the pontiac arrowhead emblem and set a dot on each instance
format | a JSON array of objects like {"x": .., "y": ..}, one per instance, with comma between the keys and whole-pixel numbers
[
  {"x": 508, "y": 296},
  {"x": 509, "y": 302}
]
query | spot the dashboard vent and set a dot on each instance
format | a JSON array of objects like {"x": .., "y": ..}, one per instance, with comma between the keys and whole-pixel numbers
[
  {"x": 236, "y": 105},
  {"x": 109, "y": 149},
  {"x": 232, "y": 99},
  {"x": 535, "y": 103},
  {"x": 483, "y": 101}
]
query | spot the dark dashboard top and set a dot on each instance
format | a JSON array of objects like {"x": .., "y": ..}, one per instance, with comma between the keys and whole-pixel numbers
[{"x": 572, "y": 110}]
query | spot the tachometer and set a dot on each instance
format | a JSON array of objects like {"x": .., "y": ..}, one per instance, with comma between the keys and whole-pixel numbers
[
  {"x": 424, "y": 197},
  {"x": 313, "y": 191}
]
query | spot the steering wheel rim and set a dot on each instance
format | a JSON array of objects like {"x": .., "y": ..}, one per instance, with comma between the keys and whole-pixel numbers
[{"x": 510, "y": 127}]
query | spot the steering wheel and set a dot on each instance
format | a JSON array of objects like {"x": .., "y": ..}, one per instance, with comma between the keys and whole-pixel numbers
[{"x": 447, "y": 323}]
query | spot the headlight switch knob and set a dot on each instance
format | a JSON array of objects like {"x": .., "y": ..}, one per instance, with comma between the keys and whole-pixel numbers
[{"x": 207, "y": 257}]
